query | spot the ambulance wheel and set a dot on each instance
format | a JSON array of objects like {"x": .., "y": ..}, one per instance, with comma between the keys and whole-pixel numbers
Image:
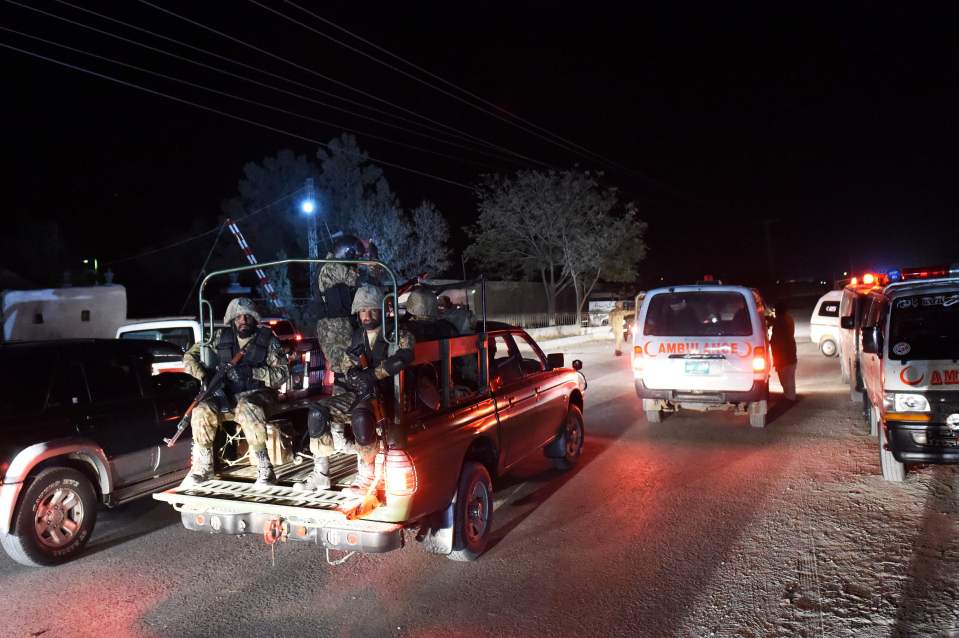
[
  {"x": 828, "y": 348},
  {"x": 472, "y": 513},
  {"x": 757, "y": 414},
  {"x": 892, "y": 470}
]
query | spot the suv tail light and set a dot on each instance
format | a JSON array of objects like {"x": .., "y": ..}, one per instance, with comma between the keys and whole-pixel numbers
[
  {"x": 400, "y": 474},
  {"x": 759, "y": 359}
]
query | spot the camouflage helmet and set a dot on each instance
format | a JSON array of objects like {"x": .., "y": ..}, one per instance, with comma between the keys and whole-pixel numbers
[
  {"x": 240, "y": 306},
  {"x": 422, "y": 303},
  {"x": 367, "y": 298}
]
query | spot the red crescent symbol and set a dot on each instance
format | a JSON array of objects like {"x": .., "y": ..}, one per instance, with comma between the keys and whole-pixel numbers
[
  {"x": 902, "y": 377},
  {"x": 747, "y": 350},
  {"x": 646, "y": 349}
]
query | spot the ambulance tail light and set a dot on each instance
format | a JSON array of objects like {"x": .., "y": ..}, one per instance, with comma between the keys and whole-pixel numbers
[
  {"x": 637, "y": 359},
  {"x": 400, "y": 474},
  {"x": 759, "y": 359}
]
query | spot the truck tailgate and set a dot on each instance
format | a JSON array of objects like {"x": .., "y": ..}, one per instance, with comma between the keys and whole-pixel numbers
[{"x": 235, "y": 497}]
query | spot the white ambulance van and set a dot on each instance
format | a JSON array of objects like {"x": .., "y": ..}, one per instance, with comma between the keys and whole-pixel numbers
[
  {"x": 824, "y": 323},
  {"x": 910, "y": 370},
  {"x": 702, "y": 347}
]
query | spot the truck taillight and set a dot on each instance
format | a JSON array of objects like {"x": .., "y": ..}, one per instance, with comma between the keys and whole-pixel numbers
[
  {"x": 759, "y": 359},
  {"x": 400, "y": 474},
  {"x": 637, "y": 359}
]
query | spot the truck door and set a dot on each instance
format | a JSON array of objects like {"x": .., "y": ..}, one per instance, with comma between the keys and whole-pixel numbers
[
  {"x": 550, "y": 407},
  {"x": 119, "y": 417},
  {"x": 515, "y": 398}
]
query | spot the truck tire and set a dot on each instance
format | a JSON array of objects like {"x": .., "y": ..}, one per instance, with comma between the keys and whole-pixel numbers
[
  {"x": 828, "y": 348},
  {"x": 757, "y": 414},
  {"x": 54, "y": 519},
  {"x": 570, "y": 440},
  {"x": 892, "y": 470},
  {"x": 472, "y": 513}
]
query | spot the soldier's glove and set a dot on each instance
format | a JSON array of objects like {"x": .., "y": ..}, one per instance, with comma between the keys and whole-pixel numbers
[
  {"x": 240, "y": 374},
  {"x": 362, "y": 380}
]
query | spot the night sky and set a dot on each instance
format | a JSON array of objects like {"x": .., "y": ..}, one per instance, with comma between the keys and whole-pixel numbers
[{"x": 835, "y": 124}]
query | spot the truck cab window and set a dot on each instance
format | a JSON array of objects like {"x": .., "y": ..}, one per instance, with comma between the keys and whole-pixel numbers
[
  {"x": 112, "y": 377},
  {"x": 25, "y": 376}
]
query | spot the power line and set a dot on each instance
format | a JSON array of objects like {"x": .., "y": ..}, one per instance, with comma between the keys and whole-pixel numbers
[
  {"x": 226, "y": 114},
  {"x": 331, "y": 80},
  {"x": 257, "y": 82},
  {"x": 206, "y": 262},
  {"x": 258, "y": 70},
  {"x": 506, "y": 112},
  {"x": 237, "y": 97}
]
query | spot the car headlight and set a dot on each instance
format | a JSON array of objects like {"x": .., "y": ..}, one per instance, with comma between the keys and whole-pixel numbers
[{"x": 903, "y": 402}]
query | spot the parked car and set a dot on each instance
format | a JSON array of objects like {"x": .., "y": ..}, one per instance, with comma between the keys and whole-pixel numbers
[
  {"x": 82, "y": 424},
  {"x": 824, "y": 323},
  {"x": 467, "y": 409},
  {"x": 910, "y": 349},
  {"x": 702, "y": 347}
]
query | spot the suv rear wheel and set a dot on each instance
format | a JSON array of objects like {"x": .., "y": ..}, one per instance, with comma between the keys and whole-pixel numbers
[
  {"x": 54, "y": 520},
  {"x": 472, "y": 512},
  {"x": 570, "y": 441}
]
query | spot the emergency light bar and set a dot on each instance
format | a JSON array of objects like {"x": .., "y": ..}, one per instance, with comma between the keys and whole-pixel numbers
[{"x": 924, "y": 273}]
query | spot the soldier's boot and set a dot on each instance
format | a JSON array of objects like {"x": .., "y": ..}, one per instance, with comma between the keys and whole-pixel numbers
[
  {"x": 341, "y": 443},
  {"x": 201, "y": 466},
  {"x": 264, "y": 470},
  {"x": 319, "y": 478},
  {"x": 365, "y": 470}
]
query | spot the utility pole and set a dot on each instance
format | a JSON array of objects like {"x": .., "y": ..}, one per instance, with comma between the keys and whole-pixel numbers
[{"x": 309, "y": 207}]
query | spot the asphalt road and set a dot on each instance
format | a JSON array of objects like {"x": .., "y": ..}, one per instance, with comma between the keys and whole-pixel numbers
[{"x": 637, "y": 540}]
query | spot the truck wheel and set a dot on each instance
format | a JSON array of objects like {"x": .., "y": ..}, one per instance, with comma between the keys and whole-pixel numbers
[
  {"x": 828, "y": 348},
  {"x": 473, "y": 513},
  {"x": 571, "y": 440},
  {"x": 55, "y": 518},
  {"x": 892, "y": 470},
  {"x": 757, "y": 413}
]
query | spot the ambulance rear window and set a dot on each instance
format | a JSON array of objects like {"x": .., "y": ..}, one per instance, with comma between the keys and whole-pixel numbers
[{"x": 698, "y": 314}]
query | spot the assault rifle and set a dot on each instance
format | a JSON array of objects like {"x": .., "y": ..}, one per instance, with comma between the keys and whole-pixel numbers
[{"x": 215, "y": 385}]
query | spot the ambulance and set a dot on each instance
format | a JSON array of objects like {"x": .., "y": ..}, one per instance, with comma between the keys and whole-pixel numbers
[
  {"x": 910, "y": 369},
  {"x": 702, "y": 347}
]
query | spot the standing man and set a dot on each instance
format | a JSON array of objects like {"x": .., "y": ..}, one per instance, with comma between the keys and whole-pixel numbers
[
  {"x": 336, "y": 286},
  {"x": 250, "y": 387},
  {"x": 783, "y": 343},
  {"x": 618, "y": 317}
]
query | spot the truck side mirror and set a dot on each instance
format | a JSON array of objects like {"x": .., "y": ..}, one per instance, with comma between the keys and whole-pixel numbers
[
  {"x": 577, "y": 365},
  {"x": 555, "y": 360},
  {"x": 871, "y": 339},
  {"x": 847, "y": 323}
]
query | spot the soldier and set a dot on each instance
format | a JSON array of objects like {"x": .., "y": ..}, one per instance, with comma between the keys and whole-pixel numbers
[
  {"x": 617, "y": 320},
  {"x": 337, "y": 411},
  {"x": 337, "y": 284},
  {"x": 249, "y": 388},
  {"x": 422, "y": 317}
]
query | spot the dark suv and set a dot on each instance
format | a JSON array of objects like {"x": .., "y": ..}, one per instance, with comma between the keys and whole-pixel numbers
[{"x": 82, "y": 423}]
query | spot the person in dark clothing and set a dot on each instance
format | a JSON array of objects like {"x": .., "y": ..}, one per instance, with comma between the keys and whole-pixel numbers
[{"x": 783, "y": 344}]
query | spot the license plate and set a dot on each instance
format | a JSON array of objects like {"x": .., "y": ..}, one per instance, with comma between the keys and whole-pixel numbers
[{"x": 697, "y": 367}]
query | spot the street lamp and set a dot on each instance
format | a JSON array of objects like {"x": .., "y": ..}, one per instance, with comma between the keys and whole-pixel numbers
[{"x": 308, "y": 207}]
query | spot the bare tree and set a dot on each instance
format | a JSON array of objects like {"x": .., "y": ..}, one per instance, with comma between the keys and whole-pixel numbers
[{"x": 561, "y": 226}]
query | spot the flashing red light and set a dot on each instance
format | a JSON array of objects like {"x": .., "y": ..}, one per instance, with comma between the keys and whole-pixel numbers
[
  {"x": 924, "y": 273},
  {"x": 708, "y": 278},
  {"x": 297, "y": 337},
  {"x": 854, "y": 281},
  {"x": 869, "y": 279}
]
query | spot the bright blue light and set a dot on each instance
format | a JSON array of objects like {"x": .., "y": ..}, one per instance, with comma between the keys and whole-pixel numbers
[{"x": 308, "y": 206}]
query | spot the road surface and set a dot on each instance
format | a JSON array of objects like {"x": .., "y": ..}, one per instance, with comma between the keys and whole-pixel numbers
[{"x": 697, "y": 526}]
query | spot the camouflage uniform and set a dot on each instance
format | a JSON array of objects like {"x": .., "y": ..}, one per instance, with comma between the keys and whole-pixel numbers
[
  {"x": 249, "y": 410},
  {"x": 334, "y": 333}
]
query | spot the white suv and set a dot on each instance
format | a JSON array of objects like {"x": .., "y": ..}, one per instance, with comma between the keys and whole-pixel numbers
[{"x": 702, "y": 347}]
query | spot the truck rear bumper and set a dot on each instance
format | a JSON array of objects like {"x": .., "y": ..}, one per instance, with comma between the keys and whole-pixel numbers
[
  {"x": 324, "y": 518},
  {"x": 758, "y": 392},
  {"x": 348, "y": 535}
]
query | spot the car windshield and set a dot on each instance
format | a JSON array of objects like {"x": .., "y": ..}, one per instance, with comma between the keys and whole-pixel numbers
[
  {"x": 698, "y": 314},
  {"x": 182, "y": 337},
  {"x": 925, "y": 327}
]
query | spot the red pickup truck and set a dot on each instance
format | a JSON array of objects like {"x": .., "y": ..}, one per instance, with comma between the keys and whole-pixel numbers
[{"x": 465, "y": 411}]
